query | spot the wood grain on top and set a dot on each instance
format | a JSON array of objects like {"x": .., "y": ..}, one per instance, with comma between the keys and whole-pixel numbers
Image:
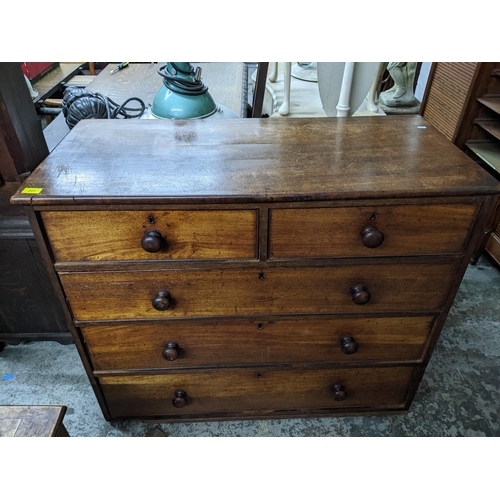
[{"x": 248, "y": 160}]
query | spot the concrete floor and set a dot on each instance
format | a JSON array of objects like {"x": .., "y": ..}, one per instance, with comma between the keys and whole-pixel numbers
[{"x": 459, "y": 394}]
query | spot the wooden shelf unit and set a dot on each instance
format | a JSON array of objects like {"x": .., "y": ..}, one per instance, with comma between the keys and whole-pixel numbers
[
  {"x": 493, "y": 127},
  {"x": 478, "y": 133},
  {"x": 489, "y": 152},
  {"x": 492, "y": 103}
]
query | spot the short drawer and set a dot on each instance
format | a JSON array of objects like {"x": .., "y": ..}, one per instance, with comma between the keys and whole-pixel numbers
[
  {"x": 236, "y": 292},
  {"x": 370, "y": 231},
  {"x": 250, "y": 390},
  {"x": 228, "y": 343},
  {"x": 152, "y": 235}
]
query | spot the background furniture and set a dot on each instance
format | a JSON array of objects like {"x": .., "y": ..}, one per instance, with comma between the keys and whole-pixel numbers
[
  {"x": 342, "y": 86},
  {"x": 32, "y": 421},
  {"x": 55, "y": 81},
  {"x": 28, "y": 307},
  {"x": 51, "y": 86},
  {"x": 259, "y": 91},
  {"x": 479, "y": 133},
  {"x": 257, "y": 268},
  {"x": 92, "y": 67},
  {"x": 446, "y": 94},
  {"x": 463, "y": 101}
]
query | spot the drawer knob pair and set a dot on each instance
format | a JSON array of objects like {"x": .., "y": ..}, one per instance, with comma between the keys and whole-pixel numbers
[
  {"x": 371, "y": 237},
  {"x": 152, "y": 241},
  {"x": 180, "y": 397}
]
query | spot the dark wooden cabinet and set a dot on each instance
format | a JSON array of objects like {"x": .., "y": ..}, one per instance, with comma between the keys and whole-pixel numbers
[
  {"x": 257, "y": 268},
  {"x": 29, "y": 307}
]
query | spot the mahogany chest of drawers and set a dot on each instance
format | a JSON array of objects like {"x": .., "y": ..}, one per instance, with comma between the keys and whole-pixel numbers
[{"x": 249, "y": 268}]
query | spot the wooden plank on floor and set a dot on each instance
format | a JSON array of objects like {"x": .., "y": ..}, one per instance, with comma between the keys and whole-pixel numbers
[{"x": 53, "y": 102}]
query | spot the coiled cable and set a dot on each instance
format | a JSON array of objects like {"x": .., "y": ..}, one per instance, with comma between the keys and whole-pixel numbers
[{"x": 79, "y": 104}]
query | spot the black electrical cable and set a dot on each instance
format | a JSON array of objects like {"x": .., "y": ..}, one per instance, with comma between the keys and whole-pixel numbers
[
  {"x": 181, "y": 85},
  {"x": 79, "y": 104},
  {"x": 114, "y": 109}
]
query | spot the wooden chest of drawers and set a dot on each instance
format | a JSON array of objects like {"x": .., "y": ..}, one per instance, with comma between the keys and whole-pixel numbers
[{"x": 257, "y": 268}]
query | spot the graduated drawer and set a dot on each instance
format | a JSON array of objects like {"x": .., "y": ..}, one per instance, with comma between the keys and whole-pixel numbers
[
  {"x": 248, "y": 389},
  {"x": 235, "y": 292},
  {"x": 370, "y": 231},
  {"x": 314, "y": 340},
  {"x": 124, "y": 235}
]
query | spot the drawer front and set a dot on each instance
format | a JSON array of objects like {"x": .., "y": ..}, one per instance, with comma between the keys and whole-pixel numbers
[
  {"x": 180, "y": 234},
  {"x": 387, "y": 230},
  {"x": 211, "y": 344},
  {"x": 247, "y": 390},
  {"x": 236, "y": 292}
]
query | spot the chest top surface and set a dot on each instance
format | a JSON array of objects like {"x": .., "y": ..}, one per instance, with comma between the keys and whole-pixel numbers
[{"x": 252, "y": 160}]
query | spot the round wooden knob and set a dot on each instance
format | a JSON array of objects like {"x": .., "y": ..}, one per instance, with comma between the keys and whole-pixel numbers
[
  {"x": 371, "y": 237},
  {"x": 180, "y": 400},
  {"x": 339, "y": 393},
  {"x": 162, "y": 300},
  {"x": 360, "y": 295},
  {"x": 348, "y": 345},
  {"x": 152, "y": 241},
  {"x": 171, "y": 353}
]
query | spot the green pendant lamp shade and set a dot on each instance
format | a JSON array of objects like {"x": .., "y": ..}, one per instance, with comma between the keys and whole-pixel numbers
[{"x": 183, "y": 95}]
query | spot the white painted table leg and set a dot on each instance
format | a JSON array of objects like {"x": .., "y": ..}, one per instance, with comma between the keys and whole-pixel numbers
[
  {"x": 273, "y": 76},
  {"x": 343, "y": 106},
  {"x": 287, "y": 76}
]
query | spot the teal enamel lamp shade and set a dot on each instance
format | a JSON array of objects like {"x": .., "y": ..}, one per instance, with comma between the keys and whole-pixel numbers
[{"x": 183, "y": 95}]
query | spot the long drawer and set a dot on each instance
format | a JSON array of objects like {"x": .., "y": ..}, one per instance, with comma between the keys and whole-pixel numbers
[
  {"x": 234, "y": 292},
  {"x": 225, "y": 343},
  {"x": 152, "y": 235},
  {"x": 251, "y": 390},
  {"x": 370, "y": 231}
]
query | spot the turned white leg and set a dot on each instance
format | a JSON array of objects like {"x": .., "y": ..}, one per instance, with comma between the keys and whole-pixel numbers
[
  {"x": 287, "y": 76},
  {"x": 343, "y": 106},
  {"x": 273, "y": 76}
]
